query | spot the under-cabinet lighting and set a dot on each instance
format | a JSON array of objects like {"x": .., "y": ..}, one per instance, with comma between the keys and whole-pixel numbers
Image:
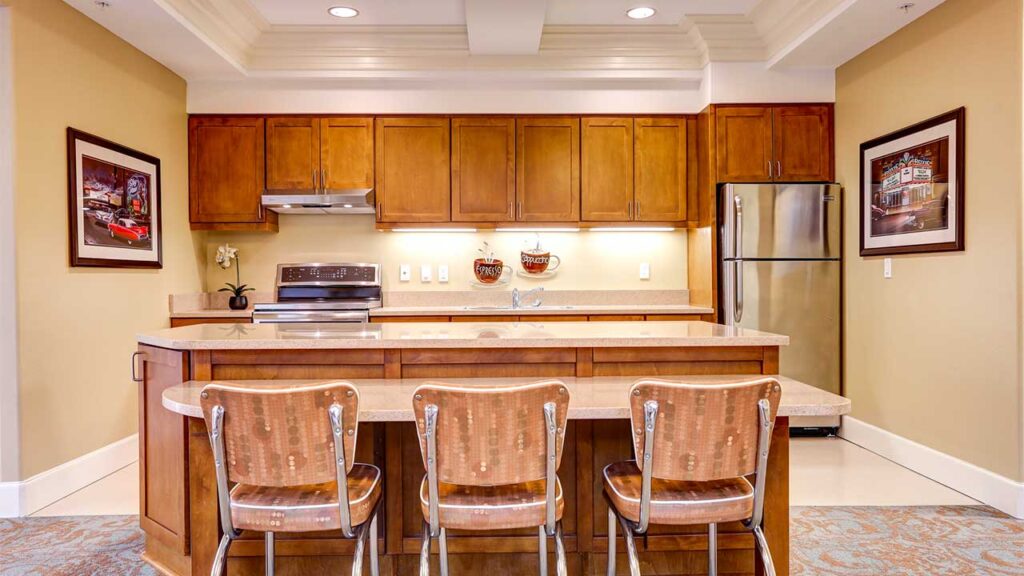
[
  {"x": 537, "y": 230},
  {"x": 435, "y": 230},
  {"x": 348, "y": 205},
  {"x": 635, "y": 229},
  {"x": 286, "y": 206}
]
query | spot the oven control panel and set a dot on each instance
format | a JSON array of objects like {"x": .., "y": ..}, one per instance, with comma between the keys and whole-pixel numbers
[{"x": 328, "y": 274}]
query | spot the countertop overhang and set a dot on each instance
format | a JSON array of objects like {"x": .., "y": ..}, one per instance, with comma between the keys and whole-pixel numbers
[
  {"x": 523, "y": 334},
  {"x": 598, "y": 398}
]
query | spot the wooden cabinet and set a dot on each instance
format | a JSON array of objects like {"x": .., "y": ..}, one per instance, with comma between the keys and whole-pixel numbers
[
  {"x": 413, "y": 174},
  {"x": 548, "y": 169},
  {"x": 226, "y": 174},
  {"x": 483, "y": 169},
  {"x": 774, "y": 143},
  {"x": 346, "y": 153},
  {"x": 802, "y": 143},
  {"x": 660, "y": 174},
  {"x": 293, "y": 154},
  {"x": 607, "y": 170}
]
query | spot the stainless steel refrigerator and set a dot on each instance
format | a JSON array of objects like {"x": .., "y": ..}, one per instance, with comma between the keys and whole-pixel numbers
[{"x": 780, "y": 270}]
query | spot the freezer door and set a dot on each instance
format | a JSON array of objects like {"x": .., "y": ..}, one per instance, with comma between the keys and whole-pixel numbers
[
  {"x": 799, "y": 299},
  {"x": 781, "y": 221}
]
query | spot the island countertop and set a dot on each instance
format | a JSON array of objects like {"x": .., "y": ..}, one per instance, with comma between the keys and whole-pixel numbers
[{"x": 457, "y": 335}]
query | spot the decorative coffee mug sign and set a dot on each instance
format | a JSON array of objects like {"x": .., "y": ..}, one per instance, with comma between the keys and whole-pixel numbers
[
  {"x": 487, "y": 268},
  {"x": 912, "y": 188},
  {"x": 536, "y": 260}
]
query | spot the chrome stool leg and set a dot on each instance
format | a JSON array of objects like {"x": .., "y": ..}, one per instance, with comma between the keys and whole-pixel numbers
[
  {"x": 443, "y": 541},
  {"x": 560, "y": 568},
  {"x": 374, "y": 560},
  {"x": 542, "y": 550},
  {"x": 611, "y": 541},
  {"x": 220, "y": 560},
  {"x": 268, "y": 540},
  {"x": 712, "y": 549},
  {"x": 766, "y": 554},
  {"x": 425, "y": 551},
  {"x": 357, "y": 557},
  {"x": 634, "y": 559}
]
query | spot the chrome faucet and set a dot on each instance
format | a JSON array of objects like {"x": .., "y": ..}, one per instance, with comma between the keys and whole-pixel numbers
[{"x": 536, "y": 293}]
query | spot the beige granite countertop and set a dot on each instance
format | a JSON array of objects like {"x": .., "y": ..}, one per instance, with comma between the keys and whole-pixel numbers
[
  {"x": 462, "y": 303},
  {"x": 523, "y": 334},
  {"x": 605, "y": 397}
]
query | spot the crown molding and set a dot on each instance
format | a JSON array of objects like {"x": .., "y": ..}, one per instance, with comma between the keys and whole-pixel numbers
[
  {"x": 781, "y": 22},
  {"x": 230, "y": 27},
  {"x": 726, "y": 38}
]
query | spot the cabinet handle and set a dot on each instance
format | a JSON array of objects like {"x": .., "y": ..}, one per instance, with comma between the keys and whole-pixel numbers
[
  {"x": 769, "y": 169},
  {"x": 379, "y": 209},
  {"x": 637, "y": 209},
  {"x": 778, "y": 166},
  {"x": 323, "y": 179},
  {"x": 519, "y": 213},
  {"x": 629, "y": 210},
  {"x": 135, "y": 374},
  {"x": 316, "y": 188},
  {"x": 511, "y": 211}
]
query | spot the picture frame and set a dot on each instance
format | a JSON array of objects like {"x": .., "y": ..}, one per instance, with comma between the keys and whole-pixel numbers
[
  {"x": 114, "y": 207},
  {"x": 912, "y": 188}
]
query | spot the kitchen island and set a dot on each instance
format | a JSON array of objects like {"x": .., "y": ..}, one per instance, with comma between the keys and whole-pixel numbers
[{"x": 598, "y": 362}]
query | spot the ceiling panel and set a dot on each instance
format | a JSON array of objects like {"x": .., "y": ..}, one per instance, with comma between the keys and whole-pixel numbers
[
  {"x": 371, "y": 12},
  {"x": 613, "y": 12}
]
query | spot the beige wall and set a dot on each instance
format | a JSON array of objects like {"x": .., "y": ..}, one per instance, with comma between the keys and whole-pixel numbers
[
  {"x": 934, "y": 354},
  {"x": 77, "y": 325},
  {"x": 591, "y": 260}
]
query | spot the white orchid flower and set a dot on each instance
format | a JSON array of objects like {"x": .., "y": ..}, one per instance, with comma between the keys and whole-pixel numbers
[{"x": 225, "y": 254}]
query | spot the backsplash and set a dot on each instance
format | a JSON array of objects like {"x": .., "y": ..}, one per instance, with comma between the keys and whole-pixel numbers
[{"x": 590, "y": 260}]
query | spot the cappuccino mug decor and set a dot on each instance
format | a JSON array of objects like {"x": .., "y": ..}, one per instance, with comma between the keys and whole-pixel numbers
[
  {"x": 536, "y": 261},
  {"x": 489, "y": 271}
]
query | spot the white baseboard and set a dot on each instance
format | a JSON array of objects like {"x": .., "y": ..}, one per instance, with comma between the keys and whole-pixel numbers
[
  {"x": 34, "y": 494},
  {"x": 983, "y": 485}
]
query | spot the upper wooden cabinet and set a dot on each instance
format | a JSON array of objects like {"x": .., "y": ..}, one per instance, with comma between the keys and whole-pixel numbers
[
  {"x": 483, "y": 169},
  {"x": 780, "y": 143},
  {"x": 226, "y": 174},
  {"x": 660, "y": 181},
  {"x": 319, "y": 154},
  {"x": 413, "y": 172},
  {"x": 607, "y": 170},
  {"x": 548, "y": 169}
]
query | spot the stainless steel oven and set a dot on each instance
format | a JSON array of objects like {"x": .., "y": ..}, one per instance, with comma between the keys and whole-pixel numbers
[{"x": 322, "y": 292}]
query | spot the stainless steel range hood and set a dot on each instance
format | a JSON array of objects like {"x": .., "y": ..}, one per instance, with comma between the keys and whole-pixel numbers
[{"x": 352, "y": 201}]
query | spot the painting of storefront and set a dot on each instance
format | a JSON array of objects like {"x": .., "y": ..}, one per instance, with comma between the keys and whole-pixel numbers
[{"x": 910, "y": 190}]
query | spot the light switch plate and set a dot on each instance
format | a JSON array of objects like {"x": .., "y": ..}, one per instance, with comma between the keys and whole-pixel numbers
[
  {"x": 645, "y": 271},
  {"x": 887, "y": 267},
  {"x": 442, "y": 273},
  {"x": 404, "y": 273},
  {"x": 426, "y": 272}
]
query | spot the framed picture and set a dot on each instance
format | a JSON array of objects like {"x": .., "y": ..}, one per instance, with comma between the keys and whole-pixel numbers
[
  {"x": 912, "y": 189},
  {"x": 113, "y": 204}
]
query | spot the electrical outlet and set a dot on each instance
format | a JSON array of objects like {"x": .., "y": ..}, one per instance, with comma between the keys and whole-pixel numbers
[
  {"x": 426, "y": 272},
  {"x": 404, "y": 273},
  {"x": 645, "y": 271},
  {"x": 887, "y": 268},
  {"x": 442, "y": 273}
]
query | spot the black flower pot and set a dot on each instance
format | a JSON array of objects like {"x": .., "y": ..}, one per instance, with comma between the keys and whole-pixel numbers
[{"x": 238, "y": 302}]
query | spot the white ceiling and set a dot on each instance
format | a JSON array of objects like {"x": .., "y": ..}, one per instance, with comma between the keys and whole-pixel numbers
[{"x": 564, "y": 40}]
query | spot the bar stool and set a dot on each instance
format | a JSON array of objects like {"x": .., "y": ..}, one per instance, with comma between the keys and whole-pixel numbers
[
  {"x": 291, "y": 452},
  {"x": 491, "y": 456},
  {"x": 695, "y": 444}
]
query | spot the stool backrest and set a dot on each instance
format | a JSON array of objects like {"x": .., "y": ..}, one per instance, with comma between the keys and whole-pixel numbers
[
  {"x": 703, "y": 431},
  {"x": 491, "y": 436},
  {"x": 282, "y": 435}
]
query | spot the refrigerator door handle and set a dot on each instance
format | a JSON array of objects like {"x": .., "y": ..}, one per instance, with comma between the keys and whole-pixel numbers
[{"x": 738, "y": 250}]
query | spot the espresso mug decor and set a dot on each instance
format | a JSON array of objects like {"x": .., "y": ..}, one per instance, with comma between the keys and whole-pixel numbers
[
  {"x": 489, "y": 271},
  {"x": 538, "y": 261}
]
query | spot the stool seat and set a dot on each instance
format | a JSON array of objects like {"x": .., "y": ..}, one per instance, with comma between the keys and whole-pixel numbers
[
  {"x": 306, "y": 508},
  {"x": 491, "y": 507},
  {"x": 678, "y": 502}
]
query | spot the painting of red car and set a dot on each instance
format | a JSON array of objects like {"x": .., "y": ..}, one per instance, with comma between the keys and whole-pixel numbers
[{"x": 129, "y": 230}]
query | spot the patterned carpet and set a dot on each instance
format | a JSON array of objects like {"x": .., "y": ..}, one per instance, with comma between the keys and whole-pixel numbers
[{"x": 827, "y": 541}]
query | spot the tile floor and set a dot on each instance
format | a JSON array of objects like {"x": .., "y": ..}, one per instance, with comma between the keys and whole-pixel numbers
[{"x": 823, "y": 472}]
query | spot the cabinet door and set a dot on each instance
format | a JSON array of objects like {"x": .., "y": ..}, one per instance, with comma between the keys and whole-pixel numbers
[
  {"x": 163, "y": 472},
  {"x": 226, "y": 163},
  {"x": 660, "y": 186},
  {"x": 606, "y": 193},
  {"x": 293, "y": 154},
  {"x": 743, "y": 144},
  {"x": 548, "y": 169},
  {"x": 413, "y": 169},
  {"x": 346, "y": 153},
  {"x": 803, "y": 143},
  {"x": 483, "y": 169}
]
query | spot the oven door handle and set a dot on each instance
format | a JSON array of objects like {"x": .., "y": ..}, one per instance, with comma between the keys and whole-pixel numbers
[{"x": 267, "y": 317}]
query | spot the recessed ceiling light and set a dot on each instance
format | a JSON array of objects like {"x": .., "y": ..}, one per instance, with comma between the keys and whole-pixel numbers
[
  {"x": 343, "y": 12},
  {"x": 640, "y": 12}
]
